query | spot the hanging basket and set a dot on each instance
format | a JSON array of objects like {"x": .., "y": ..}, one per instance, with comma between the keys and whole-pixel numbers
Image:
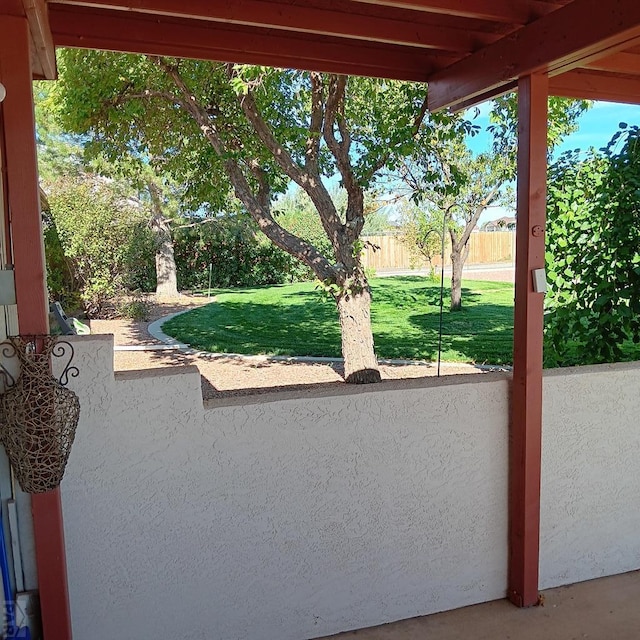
[{"x": 38, "y": 415}]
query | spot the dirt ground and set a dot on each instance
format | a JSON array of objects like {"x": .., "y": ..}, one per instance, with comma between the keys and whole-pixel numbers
[{"x": 228, "y": 375}]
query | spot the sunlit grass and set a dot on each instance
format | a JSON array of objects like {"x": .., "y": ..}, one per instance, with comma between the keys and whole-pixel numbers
[{"x": 297, "y": 320}]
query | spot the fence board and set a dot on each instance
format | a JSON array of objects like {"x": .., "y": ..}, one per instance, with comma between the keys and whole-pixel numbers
[{"x": 393, "y": 253}]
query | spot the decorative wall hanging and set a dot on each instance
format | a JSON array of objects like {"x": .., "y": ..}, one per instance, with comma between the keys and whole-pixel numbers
[{"x": 38, "y": 414}]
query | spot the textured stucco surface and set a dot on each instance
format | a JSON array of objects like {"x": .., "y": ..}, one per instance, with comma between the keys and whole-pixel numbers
[
  {"x": 590, "y": 517},
  {"x": 284, "y": 519}
]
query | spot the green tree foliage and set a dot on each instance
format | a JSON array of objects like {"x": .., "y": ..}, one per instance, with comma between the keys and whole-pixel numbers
[
  {"x": 593, "y": 253},
  {"x": 59, "y": 153},
  {"x": 422, "y": 228},
  {"x": 562, "y": 120},
  {"x": 453, "y": 182},
  {"x": 100, "y": 242},
  {"x": 62, "y": 155}
]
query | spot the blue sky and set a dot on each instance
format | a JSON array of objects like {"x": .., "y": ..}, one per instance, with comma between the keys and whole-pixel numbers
[
  {"x": 596, "y": 127},
  {"x": 600, "y": 123}
]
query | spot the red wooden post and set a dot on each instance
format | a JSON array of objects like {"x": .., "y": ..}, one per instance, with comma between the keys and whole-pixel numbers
[
  {"x": 28, "y": 259},
  {"x": 525, "y": 437}
]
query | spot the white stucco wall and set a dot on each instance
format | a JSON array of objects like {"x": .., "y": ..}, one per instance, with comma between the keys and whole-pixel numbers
[
  {"x": 276, "y": 517},
  {"x": 287, "y": 516},
  {"x": 590, "y": 517}
]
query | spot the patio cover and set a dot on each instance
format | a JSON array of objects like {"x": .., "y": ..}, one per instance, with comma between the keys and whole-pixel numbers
[{"x": 467, "y": 50}]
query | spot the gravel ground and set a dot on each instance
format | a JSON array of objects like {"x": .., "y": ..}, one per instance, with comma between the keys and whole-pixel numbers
[{"x": 227, "y": 375}]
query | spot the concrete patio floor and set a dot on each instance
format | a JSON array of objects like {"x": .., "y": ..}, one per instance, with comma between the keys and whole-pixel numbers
[{"x": 603, "y": 609}]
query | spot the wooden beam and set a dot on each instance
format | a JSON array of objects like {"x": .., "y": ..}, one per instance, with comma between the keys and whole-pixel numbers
[
  {"x": 525, "y": 434},
  {"x": 139, "y": 33},
  {"x": 11, "y": 8},
  {"x": 572, "y": 36},
  {"x": 335, "y": 20},
  {"x": 28, "y": 259},
  {"x": 595, "y": 85},
  {"x": 36, "y": 11},
  {"x": 617, "y": 63},
  {"x": 507, "y": 11},
  {"x": 483, "y": 97},
  {"x": 51, "y": 564},
  {"x": 22, "y": 176}
]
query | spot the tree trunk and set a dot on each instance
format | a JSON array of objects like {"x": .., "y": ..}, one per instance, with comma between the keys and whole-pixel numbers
[
  {"x": 166, "y": 272},
  {"x": 166, "y": 276},
  {"x": 456, "y": 279},
  {"x": 360, "y": 363}
]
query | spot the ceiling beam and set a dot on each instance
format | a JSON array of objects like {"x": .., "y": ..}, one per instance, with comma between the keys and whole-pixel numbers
[
  {"x": 139, "y": 33},
  {"x": 617, "y": 63},
  {"x": 594, "y": 85},
  {"x": 483, "y": 97},
  {"x": 516, "y": 12},
  {"x": 572, "y": 36},
  {"x": 334, "y": 21},
  {"x": 42, "y": 41},
  {"x": 11, "y": 8}
]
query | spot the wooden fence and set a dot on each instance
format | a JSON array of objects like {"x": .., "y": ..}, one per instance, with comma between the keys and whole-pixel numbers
[{"x": 393, "y": 252}]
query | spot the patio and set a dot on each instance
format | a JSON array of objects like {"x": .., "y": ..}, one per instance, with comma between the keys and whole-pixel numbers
[{"x": 604, "y": 609}]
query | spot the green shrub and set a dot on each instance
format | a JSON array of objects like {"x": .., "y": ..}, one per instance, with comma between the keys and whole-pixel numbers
[
  {"x": 93, "y": 243},
  {"x": 134, "y": 307},
  {"x": 593, "y": 257},
  {"x": 237, "y": 254}
]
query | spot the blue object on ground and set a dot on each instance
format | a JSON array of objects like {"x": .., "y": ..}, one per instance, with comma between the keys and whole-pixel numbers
[{"x": 12, "y": 630}]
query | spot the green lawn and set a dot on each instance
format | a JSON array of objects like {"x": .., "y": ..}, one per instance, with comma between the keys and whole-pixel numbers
[{"x": 296, "y": 320}]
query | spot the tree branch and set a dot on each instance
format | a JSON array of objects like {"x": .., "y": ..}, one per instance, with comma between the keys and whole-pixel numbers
[
  {"x": 312, "y": 150},
  {"x": 290, "y": 243},
  {"x": 334, "y": 114},
  {"x": 280, "y": 154},
  {"x": 334, "y": 111},
  {"x": 417, "y": 123},
  {"x": 195, "y": 224},
  {"x": 307, "y": 180},
  {"x": 482, "y": 205}
]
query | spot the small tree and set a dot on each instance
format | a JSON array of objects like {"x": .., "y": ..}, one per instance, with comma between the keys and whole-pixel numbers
[
  {"x": 593, "y": 253},
  {"x": 461, "y": 185},
  {"x": 422, "y": 229}
]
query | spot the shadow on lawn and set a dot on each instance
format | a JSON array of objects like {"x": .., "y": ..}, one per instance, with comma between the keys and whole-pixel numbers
[
  {"x": 265, "y": 328},
  {"x": 417, "y": 297},
  {"x": 305, "y": 324},
  {"x": 482, "y": 333}
]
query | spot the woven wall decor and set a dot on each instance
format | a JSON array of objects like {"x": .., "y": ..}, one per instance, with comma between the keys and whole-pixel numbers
[{"x": 38, "y": 414}]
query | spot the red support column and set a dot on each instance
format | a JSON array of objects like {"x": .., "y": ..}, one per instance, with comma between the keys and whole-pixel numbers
[
  {"x": 525, "y": 437},
  {"x": 28, "y": 259}
]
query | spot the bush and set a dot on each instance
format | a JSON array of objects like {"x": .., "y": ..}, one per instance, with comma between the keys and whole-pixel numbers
[
  {"x": 134, "y": 307},
  {"x": 238, "y": 255},
  {"x": 593, "y": 258},
  {"x": 93, "y": 243}
]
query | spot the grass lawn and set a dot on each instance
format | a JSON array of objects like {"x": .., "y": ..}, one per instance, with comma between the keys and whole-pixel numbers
[{"x": 296, "y": 320}]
